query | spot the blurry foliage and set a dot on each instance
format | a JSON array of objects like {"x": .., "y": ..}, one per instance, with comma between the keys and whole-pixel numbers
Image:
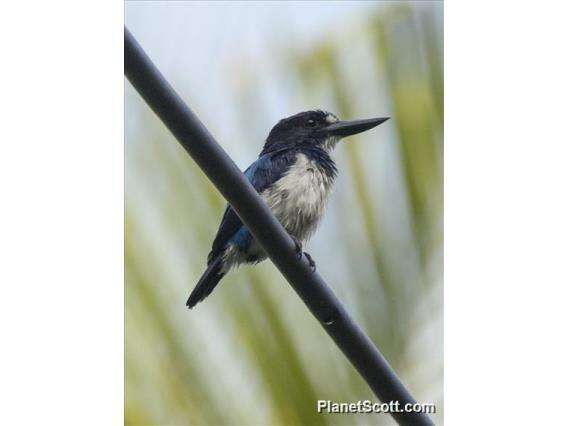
[{"x": 251, "y": 353}]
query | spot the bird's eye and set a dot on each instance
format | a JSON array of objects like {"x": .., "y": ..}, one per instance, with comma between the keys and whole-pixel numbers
[{"x": 311, "y": 123}]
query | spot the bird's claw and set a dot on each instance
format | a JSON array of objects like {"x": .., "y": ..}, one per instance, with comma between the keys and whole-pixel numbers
[
  {"x": 311, "y": 262},
  {"x": 299, "y": 252}
]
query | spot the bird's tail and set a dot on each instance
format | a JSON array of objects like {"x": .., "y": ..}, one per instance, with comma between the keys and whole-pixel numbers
[{"x": 207, "y": 282}]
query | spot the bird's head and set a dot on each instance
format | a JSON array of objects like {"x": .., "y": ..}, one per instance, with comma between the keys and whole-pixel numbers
[{"x": 315, "y": 128}]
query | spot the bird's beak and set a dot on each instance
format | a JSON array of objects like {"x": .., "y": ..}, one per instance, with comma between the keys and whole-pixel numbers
[{"x": 348, "y": 128}]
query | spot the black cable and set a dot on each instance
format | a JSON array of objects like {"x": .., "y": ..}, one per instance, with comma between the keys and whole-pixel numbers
[{"x": 256, "y": 215}]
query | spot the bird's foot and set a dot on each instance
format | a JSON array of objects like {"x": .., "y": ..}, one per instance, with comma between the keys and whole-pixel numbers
[
  {"x": 300, "y": 252},
  {"x": 298, "y": 245},
  {"x": 311, "y": 262}
]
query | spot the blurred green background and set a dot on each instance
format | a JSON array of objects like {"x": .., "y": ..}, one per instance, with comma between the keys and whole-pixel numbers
[{"x": 251, "y": 353}]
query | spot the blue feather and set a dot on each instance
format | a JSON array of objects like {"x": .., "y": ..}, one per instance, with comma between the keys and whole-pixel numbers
[{"x": 261, "y": 174}]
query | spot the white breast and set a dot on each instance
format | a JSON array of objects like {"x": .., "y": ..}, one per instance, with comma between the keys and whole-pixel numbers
[{"x": 298, "y": 198}]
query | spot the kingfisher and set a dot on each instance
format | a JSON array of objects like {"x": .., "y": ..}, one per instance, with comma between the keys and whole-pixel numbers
[{"x": 293, "y": 174}]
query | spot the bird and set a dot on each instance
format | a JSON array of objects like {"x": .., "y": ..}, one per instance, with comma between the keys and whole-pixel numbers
[{"x": 294, "y": 175}]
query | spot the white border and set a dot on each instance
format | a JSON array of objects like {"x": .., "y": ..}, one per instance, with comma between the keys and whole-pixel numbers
[
  {"x": 506, "y": 212},
  {"x": 61, "y": 236}
]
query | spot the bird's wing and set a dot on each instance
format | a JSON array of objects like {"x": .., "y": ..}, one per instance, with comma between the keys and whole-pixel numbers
[{"x": 261, "y": 174}]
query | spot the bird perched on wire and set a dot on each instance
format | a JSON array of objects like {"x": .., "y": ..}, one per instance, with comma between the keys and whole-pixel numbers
[{"x": 294, "y": 174}]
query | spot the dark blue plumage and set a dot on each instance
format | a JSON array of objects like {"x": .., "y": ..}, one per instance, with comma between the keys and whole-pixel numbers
[
  {"x": 261, "y": 174},
  {"x": 293, "y": 174}
]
